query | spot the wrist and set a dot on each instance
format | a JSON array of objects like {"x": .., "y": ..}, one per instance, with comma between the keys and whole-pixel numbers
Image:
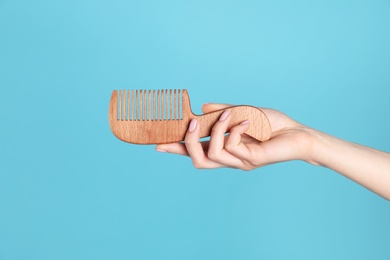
[
  {"x": 320, "y": 143},
  {"x": 313, "y": 140}
]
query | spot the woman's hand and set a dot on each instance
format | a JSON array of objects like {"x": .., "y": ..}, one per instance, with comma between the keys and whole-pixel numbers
[{"x": 290, "y": 140}]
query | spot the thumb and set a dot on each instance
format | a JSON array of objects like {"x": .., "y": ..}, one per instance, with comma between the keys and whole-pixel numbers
[{"x": 210, "y": 107}]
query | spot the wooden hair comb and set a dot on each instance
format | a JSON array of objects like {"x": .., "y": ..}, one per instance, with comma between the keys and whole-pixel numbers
[{"x": 163, "y": 116}]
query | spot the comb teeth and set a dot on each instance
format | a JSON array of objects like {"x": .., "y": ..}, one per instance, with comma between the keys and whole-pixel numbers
[{"x": 148, "y": 105}]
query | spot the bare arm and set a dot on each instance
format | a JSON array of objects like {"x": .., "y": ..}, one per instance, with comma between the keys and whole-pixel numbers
[
  {"x": 290, "y": 140},
  {"x": 366, "y": 166}
]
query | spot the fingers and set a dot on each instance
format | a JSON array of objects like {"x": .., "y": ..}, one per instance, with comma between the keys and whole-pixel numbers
[
  {"x": 221, "y": 150},
  {"x": 217, "y": 152},
  {"x": 234, "y": 144},
  {"x": 176, "y": 148},
  {"x": 195, "y": 149}
]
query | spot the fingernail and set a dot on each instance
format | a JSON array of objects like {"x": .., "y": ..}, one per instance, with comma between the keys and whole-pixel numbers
[
  {"x": 193, "y": 125},
  {"x": 161, "y": 151},
  {"x": 245, "y": 122},
  {"x": 224, "y": 115},
  {"x": 206, "y": 103}
]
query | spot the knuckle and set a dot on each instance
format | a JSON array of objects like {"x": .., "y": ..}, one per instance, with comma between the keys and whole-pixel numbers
[
  {"x": 197, "y": 165},
  {"x": 212, "y": 155},
  {"x": 229, "y": 146}
]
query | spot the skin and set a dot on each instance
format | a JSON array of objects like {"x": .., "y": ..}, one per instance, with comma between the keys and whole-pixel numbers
[{"x": 290, "y": 140}]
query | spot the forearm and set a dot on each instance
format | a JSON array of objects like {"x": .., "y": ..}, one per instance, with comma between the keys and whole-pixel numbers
[{"x": 364, "y": 165}]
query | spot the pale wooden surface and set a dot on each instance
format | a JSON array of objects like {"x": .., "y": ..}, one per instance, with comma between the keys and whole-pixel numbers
[{"x": 174, "y": 130}]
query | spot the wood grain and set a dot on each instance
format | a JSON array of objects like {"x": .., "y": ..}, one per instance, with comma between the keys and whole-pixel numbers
[{"x": 158, "y": 123}]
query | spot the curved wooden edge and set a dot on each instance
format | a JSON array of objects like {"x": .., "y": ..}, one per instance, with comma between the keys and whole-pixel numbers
[
  {"x": 112, "y": 114},
  {"x": 154, "y": 132},
  {"x": 259, "y": 128}
]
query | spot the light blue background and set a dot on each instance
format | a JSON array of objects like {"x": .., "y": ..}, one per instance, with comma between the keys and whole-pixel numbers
[{"x": 70, "y": 190}]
